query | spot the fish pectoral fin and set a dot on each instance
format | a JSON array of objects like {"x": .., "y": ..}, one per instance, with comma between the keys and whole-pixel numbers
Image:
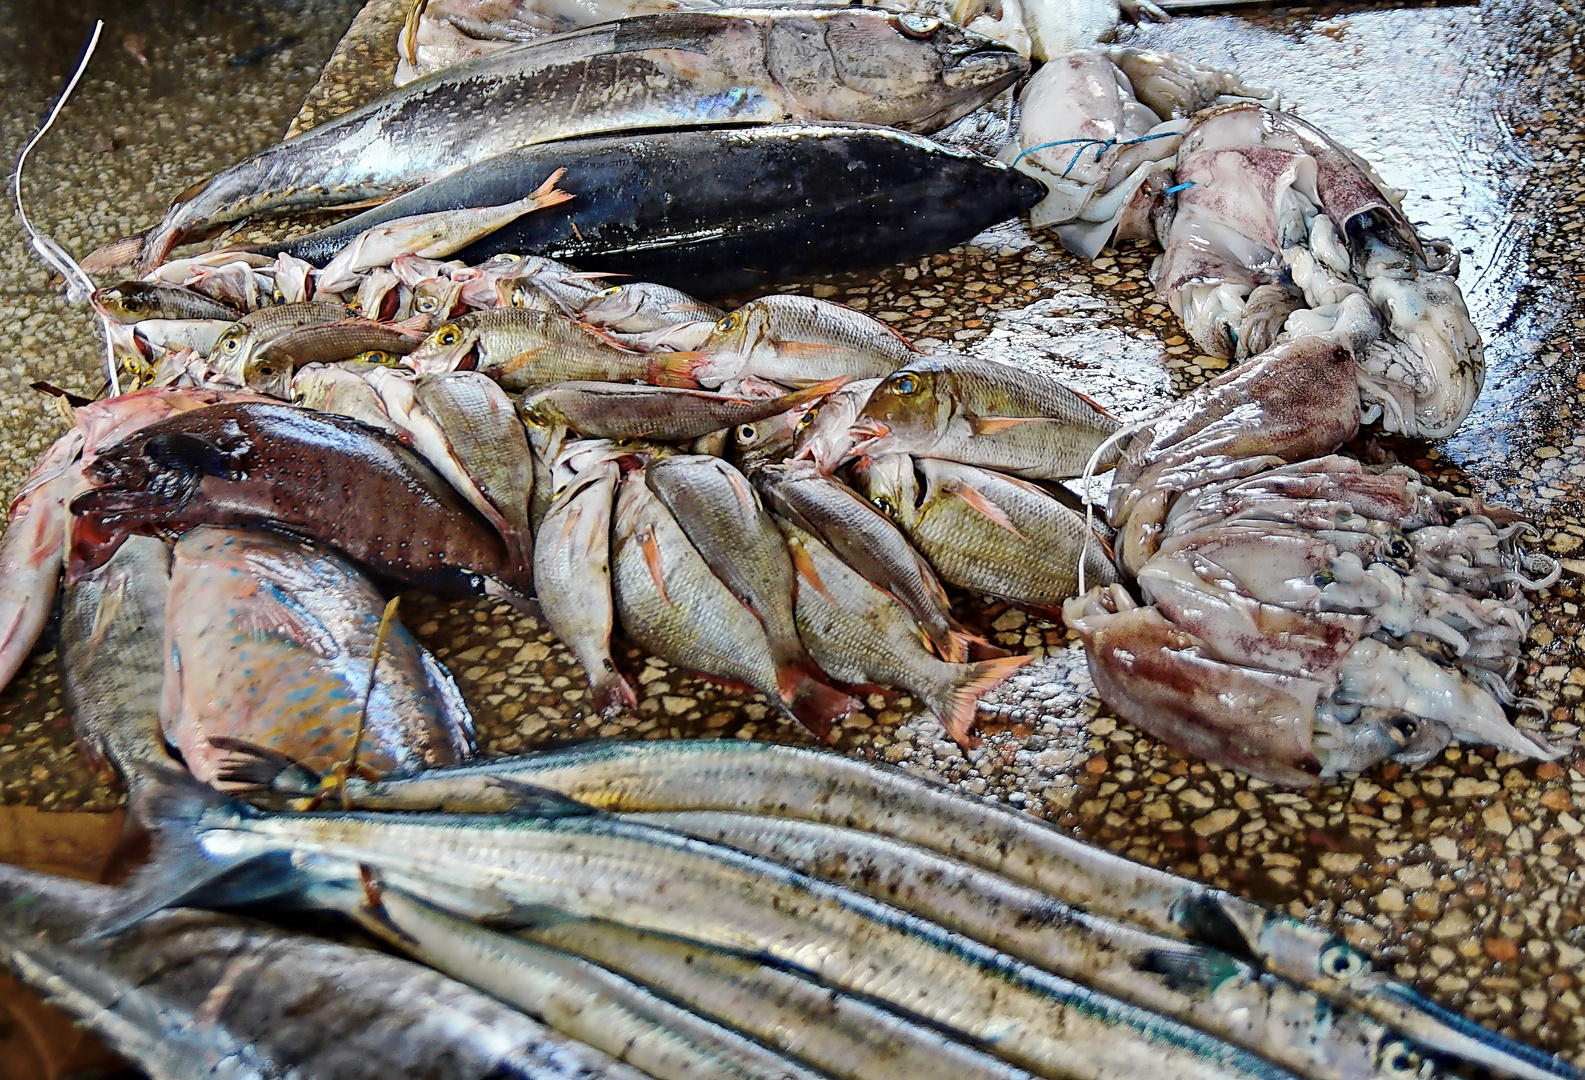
[
  {"x": 981, "y": 503},
  {"x": 193, "y": 455},
  {"x": 996, "y": 425},
  {"x": 531, "y": 800},
  {"x": 805, "y": 566},
  {"x": 652, "y": 558},
  {"x": 1187, "y": 970},
  {"x": 243, "y": 766},
  {"x": 806, "y": 350}
]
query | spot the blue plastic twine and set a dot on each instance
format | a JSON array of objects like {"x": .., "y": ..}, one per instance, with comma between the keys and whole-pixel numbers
[{"x": 1104, "y": 144}]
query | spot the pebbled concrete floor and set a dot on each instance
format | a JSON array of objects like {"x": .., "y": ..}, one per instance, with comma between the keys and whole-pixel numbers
[{"x": 1465, "y": 876}]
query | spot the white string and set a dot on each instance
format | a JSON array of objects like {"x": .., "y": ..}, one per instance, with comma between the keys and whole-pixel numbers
[
  {"x": 1121, "y": 433},
  {"x": 79, "y": 286}
]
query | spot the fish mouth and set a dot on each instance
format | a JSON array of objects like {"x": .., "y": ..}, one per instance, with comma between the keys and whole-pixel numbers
[
  {"x": 973, "y": 76},
  {"x": 865, "y": 433}
]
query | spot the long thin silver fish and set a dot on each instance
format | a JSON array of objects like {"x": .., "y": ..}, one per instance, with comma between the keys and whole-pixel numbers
[
  {"x": 581, "y": 1000},
  {"x": 654, "y": 879},
  {"x": 654, "y": 71},
  {"x": 844, "y": 1035},
  {"x": 1207, "y": 988},
  {"x": 190, "y": 994},
  {"x": 793, "y": 782}
]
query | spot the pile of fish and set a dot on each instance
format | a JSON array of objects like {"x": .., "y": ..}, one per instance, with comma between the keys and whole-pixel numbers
[
  {"x": 779, "y": 496},
  {"x": 700, "y": 909}
]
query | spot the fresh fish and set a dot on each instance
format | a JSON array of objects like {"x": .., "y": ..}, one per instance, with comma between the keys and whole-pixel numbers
[
  {"x": 191, "y": 994},
  {"x": 795, "y": 340},
  {"x": 269, "y": 641},
  {"x": 271, "y": 368},
  {"x": 792, "y": 782},
  {"x": 1203, "y": 987},
  {"x": 135, "y": 301},
  {"x": 247, "y": 335},
  {"x": 641, "y": 306},
  {"x": 113, "y": 662},
  {"x": 864, "y": 538},
  {"x": 693, "y": 208},
  {"x": 342, "y": 389},
  {"x": 718, "y": 510},
  {"x": 983, "y": 413},
  {"x": 846, "y": 1036},
  {"x": 859, "y": 634},
  {"x": 825, "y": 433},
  {"x": 328, "y": 478},
  {"x": 986, "y": 532},
  {"x": 32, "y": 550},
  {"x": 168, "y": 335},
  {"x": 580, "y": 1000},
  {"x": 755, "y": 445},
  {"x": 430, "y": 236},
  {"x": 525, "y": 350},
  {"x": 654, "y": 879},
  {"x": 572, "y": 571},
  {"x": 668, "y": 414},
  {"x": 294, "y": 279},
  {"x": 465, "y": 426},
  {"x": 682, "y": 70},
  {"x": 672, "y": 603}
]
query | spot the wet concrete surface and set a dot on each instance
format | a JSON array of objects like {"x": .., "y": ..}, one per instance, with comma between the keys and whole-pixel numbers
[{"x": 1465, "y": 876}]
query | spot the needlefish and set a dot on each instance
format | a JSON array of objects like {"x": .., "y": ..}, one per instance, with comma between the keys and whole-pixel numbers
[
  {"x": 786, "y": 781},
  {"x": 653, "y": 879}
]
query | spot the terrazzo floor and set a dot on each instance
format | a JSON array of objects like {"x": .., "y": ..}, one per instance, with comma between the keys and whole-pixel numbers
[{"x": 1465, "y": 876}]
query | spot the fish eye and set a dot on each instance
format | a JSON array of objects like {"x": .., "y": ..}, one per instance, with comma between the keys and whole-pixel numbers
[
  {"x": 905, "y": 384},
  {"x": 728, "y": 324},
  {"x": 377, "y": 356},
  {"x": 278, "y": 296},
  {"x": 807, "y": 419},
  {"x": 427, "y": 304},
  {"x": 1398, "y": 1059},
  {"x": 130, "y": 303},
  {"x": 1342, "y": 962},
  {"x": 884, "y": 505},
  {"x": 914, "y": 25},
  {"x": 231, "y": 343},
  {"x": 519, "y": 296},
  {"x": 612, "y": 291},
  {"x": 449, "y": 334},
  {"x": 747, "y": 433}
]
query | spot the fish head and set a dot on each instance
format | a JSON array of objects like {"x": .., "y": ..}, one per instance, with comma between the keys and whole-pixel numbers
[
  {"x": 545, "y": 423},
  {"x": 125, "y": 303},
  {"x": 909, "y": 71},
  {"x": 612, "y": 306},
  {"x": 890, "y": 484},
  {"x": 437, "y": 297},
  {"x": 731, "y": 343},
  {"x": 824, "y": 433},
  {"x": 232, "y": 348},
  {"x": 909, "y": 409},
  {"x": 147, "y": 475},
  {"x": 757, "y": 444},
  {"x": 452, "y": 346},
  {"x": 269, "y": 373}
]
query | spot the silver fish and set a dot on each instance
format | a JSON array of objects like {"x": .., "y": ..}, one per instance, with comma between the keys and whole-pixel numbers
[
  {"x": 987, "y": 532},
  {"x": 654, "y": 879},
  {"x": 652, "y": 71},
  {"x": 572, "y": 572},
  {"x": 642, "y": 306},
  {"x": 859, "y": 634},
  {"x": 824, "y": 434},
  {"x": 666, "y": 413},
  {"x": 983, "y": 413},
  {"x": 785, "y": 781},
  {"x": 191, "y": 994},
  {"x": 797, "y": 340},
  {"x": 672, "y": 603},
  {"x": 581, "y": 1000}
]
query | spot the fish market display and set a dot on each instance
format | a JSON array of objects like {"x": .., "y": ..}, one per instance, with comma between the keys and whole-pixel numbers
[{"x": 514, "y": 375}]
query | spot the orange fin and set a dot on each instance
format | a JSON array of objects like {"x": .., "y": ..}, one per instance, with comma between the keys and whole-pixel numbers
[
  {"x": 653, "y": 560},
  {"x": 979, "y": 502},
  {"x": 797, "y": 398},
  {"x": 958, "y": 706},
  {"x": 806, "y": 350},
  {"x": 675, "y": 369},
  {"x": 995, "y": 425},
  {"x": 804, "y": 565}
]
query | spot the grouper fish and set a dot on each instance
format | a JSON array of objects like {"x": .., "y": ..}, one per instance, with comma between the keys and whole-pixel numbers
[{"x": 657, "y": 71}]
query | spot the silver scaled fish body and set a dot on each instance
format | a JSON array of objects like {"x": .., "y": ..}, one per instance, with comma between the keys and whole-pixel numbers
[{"x": 798, "y": 340}]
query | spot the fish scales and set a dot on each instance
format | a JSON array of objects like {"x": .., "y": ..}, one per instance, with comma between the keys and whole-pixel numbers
[
  {"x": 324, "y": 476},
  {"x": 190, "y": 994},
  {"x": 1207, "y": 988},
  {"x": 596, "y": 867}
]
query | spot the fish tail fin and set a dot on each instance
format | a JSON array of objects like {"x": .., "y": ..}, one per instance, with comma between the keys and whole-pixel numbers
[
  {"x": 174, "y": 805},
  {"x": 613, "y": 694},
  {"x": 547, "y": 194},
  {"x": 116, "y": 254},
  {"x": 675, "y": 369},
  {"x": 813, "y": 702},
  {"x": 958, "y": 703},
  {"x": 158, "y": 243},
  {"x": 956, "y": 645}
]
